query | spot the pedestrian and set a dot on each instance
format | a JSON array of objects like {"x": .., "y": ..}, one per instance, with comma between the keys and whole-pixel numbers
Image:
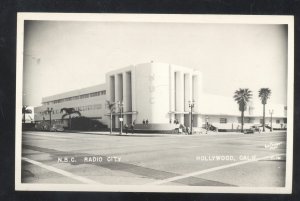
[
  {"x": 187, "y": 130},
  {"x": 132, "y": 128},
  {"x": 126, "y": 128},
  {"x": 143, "y": 121},
  {"x": 147, "y": 122}
]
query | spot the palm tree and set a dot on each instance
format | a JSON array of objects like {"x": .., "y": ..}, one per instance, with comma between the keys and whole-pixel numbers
[
  {"x": 25, "y": 111},
  {"x": 242, "y": 97},
  {"x": 69, "y": 111},
  {"x": 264, "y": 94},
  {"x": 111, "y": 106}
]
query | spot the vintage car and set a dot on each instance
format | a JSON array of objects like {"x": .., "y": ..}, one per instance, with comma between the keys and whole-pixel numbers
[{"x": 57, "y": 127}]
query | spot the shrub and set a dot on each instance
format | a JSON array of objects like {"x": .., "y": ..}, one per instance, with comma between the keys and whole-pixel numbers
[{"x": 84, "y": 123}]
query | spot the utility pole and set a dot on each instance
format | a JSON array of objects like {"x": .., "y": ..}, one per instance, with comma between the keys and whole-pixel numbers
[
  {"x": 191, "y": 105},
  {"x": 120, "y": 104},
  {"x": 271, "y": 113}
]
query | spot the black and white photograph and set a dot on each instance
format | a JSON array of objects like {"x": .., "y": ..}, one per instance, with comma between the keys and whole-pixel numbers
[{"x": 154, "y": 103}]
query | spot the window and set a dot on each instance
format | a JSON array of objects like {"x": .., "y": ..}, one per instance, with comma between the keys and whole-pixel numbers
[
  {"x": 95, "y": 94},
  {"x": 84, "y": 96},
  {"x": 223, "y": 120},
  {"x": 277, "y": 121}
]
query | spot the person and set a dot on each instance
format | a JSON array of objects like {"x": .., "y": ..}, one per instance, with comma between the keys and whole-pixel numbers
[
  {"x": 126, "y": 128},
  {"x": 188, "y": 130},
  {"x": 132, "y": 128},
  {"x": 143, "y": 121},
  {"x": 147, "y": 122},
  {"x": 207, "y": 127}
]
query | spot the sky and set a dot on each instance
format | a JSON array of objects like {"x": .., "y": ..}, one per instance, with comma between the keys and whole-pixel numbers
[{"x": 60, "y": 56}]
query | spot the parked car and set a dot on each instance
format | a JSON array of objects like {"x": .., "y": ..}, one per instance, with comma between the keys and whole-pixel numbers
[
  {"x": 249, "y": 131},
  {"x": 256, "y": 128},
  {"x": 57, "y": 127},
  {"x": 252, "y": 129}
]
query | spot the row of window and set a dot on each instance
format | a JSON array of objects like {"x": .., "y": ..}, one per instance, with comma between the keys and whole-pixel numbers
[
  {"x": 83, "y": 96},
  {"x": 89, "y": 107},
  {"x": 246, "y": 120},
  {"x": 81, "y": 108}
]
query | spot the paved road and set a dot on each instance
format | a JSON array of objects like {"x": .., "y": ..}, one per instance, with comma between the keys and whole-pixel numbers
[{"x": 254, "y": 160}]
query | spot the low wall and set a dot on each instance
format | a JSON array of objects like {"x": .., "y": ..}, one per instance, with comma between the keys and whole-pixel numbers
[{"x": 161, "y": 127}]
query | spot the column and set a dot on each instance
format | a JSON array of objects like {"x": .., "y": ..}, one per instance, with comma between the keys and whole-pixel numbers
[
  {"x": 111, "y": 88},
  {"x": 188, "y": 82},
  {"x": 117, "y": 98},
  {"x": 133, "y": 94},
  {"x": 125, "y": 95},
  {"x": 197, "y": 91},
  {"x": 179, "y": 79},
  {"x": 172, "y": 92}
]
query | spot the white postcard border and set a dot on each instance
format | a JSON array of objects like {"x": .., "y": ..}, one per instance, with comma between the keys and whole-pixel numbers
[{"x": 175, "y": 18}]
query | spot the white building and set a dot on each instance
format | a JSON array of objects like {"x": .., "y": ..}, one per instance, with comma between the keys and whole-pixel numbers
[{"x": 158, "y": 93}]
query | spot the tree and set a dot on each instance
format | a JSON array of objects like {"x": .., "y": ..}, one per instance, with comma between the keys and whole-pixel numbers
[
  {"x": 25, "y": 111},
  {"x": 264, "y": 94},
  {"x": 111, "y": 106},
  {"x": 242, "y": 97},
  {"x": 69, "y": 111}
]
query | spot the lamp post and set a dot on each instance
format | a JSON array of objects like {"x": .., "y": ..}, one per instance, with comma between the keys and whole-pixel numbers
[
  {"x": 206, "y": 123},
  {"x": 191, "y": 105},
  {"x": 271, "y": 113},
  {"x": 120, "y": 105},
  {"x": 49, "y": 111}
]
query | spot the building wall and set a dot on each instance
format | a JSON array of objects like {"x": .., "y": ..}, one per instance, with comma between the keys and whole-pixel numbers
[
  {"x": 159, "y": 93},
  {"x": 90, "y": 102}
]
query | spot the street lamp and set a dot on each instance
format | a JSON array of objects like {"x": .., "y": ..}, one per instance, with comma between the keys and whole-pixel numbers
[
  {"x": 206, "y": 123},
  {"x": 120, "y": 105},
  {"x": 271, "y": 113},
  {"x": 49, "y": 111},
  {"x": 191, "y": 105}
]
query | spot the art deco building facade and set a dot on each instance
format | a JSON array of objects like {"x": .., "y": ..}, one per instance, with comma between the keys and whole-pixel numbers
[{"x": 156, "y": 93}]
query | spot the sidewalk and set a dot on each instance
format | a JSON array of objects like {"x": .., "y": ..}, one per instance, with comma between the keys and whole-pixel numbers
[
  {"x": 123, "y": 134},
  {"x": 210, "y": 133}
]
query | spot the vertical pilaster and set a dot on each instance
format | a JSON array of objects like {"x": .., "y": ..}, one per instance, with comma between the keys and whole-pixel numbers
[
  {"x": 133, "y": 93},
  {"x": 196, "y": 91},
  {"x": 125, "y": 95},
  {"x": 172, "y": 92},
  {"x": 188, "y": 82},
  {"x": 197, "y": 95},
  {"x": 179, "y": 79},
  {"x": 117, "y": 98}
]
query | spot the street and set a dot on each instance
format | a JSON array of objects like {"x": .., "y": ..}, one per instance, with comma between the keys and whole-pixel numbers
[{"x": 223, "y": 159}]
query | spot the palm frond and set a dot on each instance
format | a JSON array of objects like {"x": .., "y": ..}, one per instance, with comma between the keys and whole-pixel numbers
[
  {"x": 264, "y": 94},
  {"x": 242, "y": 97}
]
